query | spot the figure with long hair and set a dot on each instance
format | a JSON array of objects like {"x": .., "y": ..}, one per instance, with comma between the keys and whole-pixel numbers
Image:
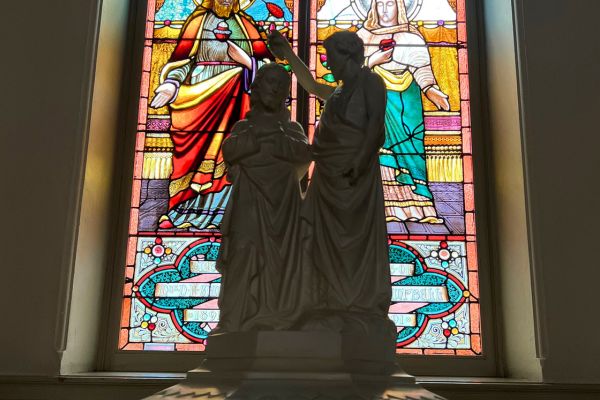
[{"x": 398, "y": 53}]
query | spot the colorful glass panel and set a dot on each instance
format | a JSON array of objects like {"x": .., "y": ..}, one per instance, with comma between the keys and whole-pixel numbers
[
  {"x": 419, "y": 48},
  {"x": 171, "y": 284},
  {"x": 199, "y": 61}
]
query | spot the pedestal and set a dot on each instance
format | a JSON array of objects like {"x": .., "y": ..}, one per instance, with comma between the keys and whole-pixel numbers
[{"x": 297, "y": 366}]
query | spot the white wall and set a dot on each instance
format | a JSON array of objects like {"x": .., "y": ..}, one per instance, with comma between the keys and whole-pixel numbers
[
  {"x": 560, "y": 71},
  {"x": 512, "y": 278},
  {"x": 45, "y": 71},
  {"x": 97, "y": 218}
]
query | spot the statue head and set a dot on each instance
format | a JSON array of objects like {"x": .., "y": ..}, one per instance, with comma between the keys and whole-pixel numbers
[
  {"x": 271, "y": 88},
  {"x": 222, "y": 8},
  {"x": 384, "y": 13},
  {"x": 342, "y": 48}
]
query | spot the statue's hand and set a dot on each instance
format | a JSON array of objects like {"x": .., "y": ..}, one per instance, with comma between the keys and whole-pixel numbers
[
  {"x": 278, "y": 44},
  {"x": 351, "y": 176},
  {"x": 238, "y": 55},
  {"x": 380, "y": 57},
  {"x": 439, "y": 98},
  {"x": 164, "y": 94},
  {"x": 354, "y": 171}
]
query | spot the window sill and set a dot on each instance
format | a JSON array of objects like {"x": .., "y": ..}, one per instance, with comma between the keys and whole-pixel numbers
[{"x": 132, "y": 385}]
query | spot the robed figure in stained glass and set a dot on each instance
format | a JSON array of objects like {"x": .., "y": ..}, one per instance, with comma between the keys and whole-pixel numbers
[
  {"x": 398, "y": 53},
  {"x": 206, "y": 84},
  {"x": 263, "y": 284}
]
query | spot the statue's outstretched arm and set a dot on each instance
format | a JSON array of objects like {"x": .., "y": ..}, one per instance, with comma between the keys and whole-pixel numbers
[{"x": 281, "y": 49}]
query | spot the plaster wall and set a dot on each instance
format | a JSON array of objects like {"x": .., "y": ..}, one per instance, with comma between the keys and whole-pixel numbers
[
  {"x": 99, "y": 201},
  {"x": 46, "y": 68},
  {"x": 559, "y": 74},
  {"x": 511, "y": 276}
]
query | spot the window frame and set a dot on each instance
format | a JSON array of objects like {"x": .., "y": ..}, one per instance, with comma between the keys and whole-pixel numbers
[{"x": 109, "y": 358}]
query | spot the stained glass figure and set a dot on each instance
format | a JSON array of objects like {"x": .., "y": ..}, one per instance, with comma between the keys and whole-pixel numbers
[
  {"x": 200, "y": 58},
  {"x": 419, "y": 48},
  {"x": 198, "y": 63}
]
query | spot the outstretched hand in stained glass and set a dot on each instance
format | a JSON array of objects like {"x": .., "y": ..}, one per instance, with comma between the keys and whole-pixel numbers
[
  {"x": 165, "y": 93},
  {"x": 437, "y": 97}
]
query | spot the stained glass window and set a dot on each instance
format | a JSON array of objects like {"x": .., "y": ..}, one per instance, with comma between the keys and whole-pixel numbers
[{"x": 418, "y": 47}]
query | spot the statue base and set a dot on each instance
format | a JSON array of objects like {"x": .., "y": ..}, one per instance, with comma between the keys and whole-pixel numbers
[{"x": 273, "y": 365}]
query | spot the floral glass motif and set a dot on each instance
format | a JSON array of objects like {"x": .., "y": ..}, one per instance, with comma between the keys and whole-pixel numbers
[{"x": 171, "y": 285}]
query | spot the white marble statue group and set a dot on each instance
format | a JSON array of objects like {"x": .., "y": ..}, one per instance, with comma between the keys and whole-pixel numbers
[{"x": 318, "y": 261}]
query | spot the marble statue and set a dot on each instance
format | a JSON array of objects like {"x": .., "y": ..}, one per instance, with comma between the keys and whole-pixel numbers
[
  {"x": 344, "y": 206},
  {"x": 266, "y": 156},
  {"x": 326, "y": 256}
]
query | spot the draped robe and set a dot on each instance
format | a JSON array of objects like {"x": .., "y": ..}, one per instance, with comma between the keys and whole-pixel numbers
[
  {"x": 212, "y": 97},
  {"x": 403, "y": 164},
  {"x": 346, "y": 223},
  {"x": 263, "y": 285}
]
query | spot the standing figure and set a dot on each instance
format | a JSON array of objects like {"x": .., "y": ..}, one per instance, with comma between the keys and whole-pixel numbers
[
  {"x": 397, "y": 52},
  {"x": 267, "y": 155},
  {"x": 344, "y": 206},
  {"x": 206, "y": 84}
]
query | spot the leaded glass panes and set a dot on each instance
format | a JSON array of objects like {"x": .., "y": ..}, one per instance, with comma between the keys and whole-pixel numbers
[
  {"x": 199, "y": 60},
  {"x": 180, "y": 191},
  {"x": 419, "y": 49}
]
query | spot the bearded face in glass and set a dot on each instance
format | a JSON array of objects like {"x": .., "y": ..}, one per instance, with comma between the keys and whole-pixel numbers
[{"x": 222, "y": 8}]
